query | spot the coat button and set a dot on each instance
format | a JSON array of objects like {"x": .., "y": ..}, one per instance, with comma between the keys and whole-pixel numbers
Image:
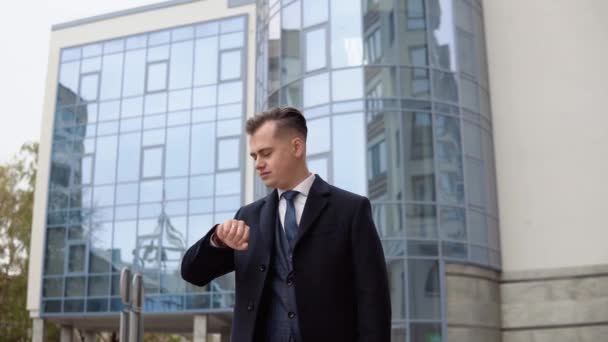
[
  {"x": 250, "y": 307},
  {"x": 262, "y": 268},
  {"x": 291, "y": 315}
]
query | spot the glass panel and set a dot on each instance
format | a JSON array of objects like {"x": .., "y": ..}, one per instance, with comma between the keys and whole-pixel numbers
[
  {"x": 449, "y": 159},
  {"x": 74, "y": 287},
  {"x": 76, "y": 258},
  {"x": 234, "y": 24},
  {"x": 182, "y": 33},
  {"x": 415, "y": 83},
  {"x": 472, "y": 139},
  {"x": 319, "y": 136},
  {"x": 316, "y": 90},
  {"x": 97, "y": 305},
  {"x": 69, "y": 54},
  {"x": 205, "y": 96},
  {"x": 132, "y": 107},
  {"x": 206, "y": 61},
  {"x": 53, "y": 287},
  {"x": 127, "y": 193},
  {"x": 135, "y": 73},
  {"x": 112, "y": 46},
  {"x": 111, "y": 76},
  {"x": 124, "y": 244},
  {"x": 180, "y": 99},
  {"x": 231, "y": 40},
  {"x": 229, "y": 111},
  {"x": 421, "y": 221},
  {"x": 347, "y": 84},
  {"x": 179, "y": 118},
  {"x": 202, "y": 157},
  {"x": 346, "y": 43},
  {"x": 315, "y": 49},
  {"x": 442, "y": 43},
  {"x": 105, "y": 162},
  {"x": 151, "y": 191},
  {"x": 158, "y": 53},
  {"x": 475, "y": 182},
  {"x": 424, "y": 289},
  {"x": 55, "y": 249},
  {"x": 452, "y": 223},
  {"x": 454, "y": 250},
  {"x": 128, "y": 157},
  {"x": 478, "y": 231},
  {"x": 348, "y": 134},
  {"x": 180, "y": 75},
  {"x": 109, "y": 110},
  {"x": 155, "y": 103},
  {"x": 101, "y": 247},
  {"x": 176, "y": 163},
  {"x": 444, "y": 86},
  {"x": 228, "y": 154},
  {"x": 68, "y": 78},
  {"x": 396, "y": 280},
  {"x": 418, "y": 149},
  {"x": 290, "y": 44},
  {"x": 207, "y": 29},
  {"x": 231, "y": 65},
  {"x": 315, "y": 11},
  {"x": 230, "y": 92},
  {"x": 154, "y": 137},
  {"x": 228, "y": 183},
  {"x": 469, "y": 94},
  {"x": 88, "y": 87},
  {"x": 291, "y": 95},
  {"x": 137, "y": 42},
  {"x": 152, "y": 162},
  {"x": 176, "y": 188},
  {"x": 229, "y": 127},
  {"x": 157, "y": 76},
  {"x": 157, "y": 38},
  {"x": 99, "y": 285}
]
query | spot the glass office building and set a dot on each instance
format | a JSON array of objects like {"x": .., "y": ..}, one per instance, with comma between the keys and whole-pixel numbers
[
  {"x": 148, "y": 147},
  {"x": 396, "y": 96}
]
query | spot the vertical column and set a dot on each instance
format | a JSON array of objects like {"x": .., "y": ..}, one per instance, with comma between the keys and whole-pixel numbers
[
  {"x": 66, "y": 333},
  {"x": 200, "y": 329},
  {"x": 37, "y": 330}
]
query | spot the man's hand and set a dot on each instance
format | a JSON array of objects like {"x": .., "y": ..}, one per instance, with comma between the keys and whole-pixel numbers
[{"x": 234, "y": 234}]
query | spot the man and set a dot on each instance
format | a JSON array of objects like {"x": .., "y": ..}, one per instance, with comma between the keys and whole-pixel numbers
[{"x": 307, "y": 258}]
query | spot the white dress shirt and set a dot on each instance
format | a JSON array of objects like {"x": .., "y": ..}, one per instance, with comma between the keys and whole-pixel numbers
[{"x": 299, "y": 201}]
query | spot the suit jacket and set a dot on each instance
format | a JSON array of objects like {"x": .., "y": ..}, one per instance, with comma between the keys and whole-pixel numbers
[{"x": 341, "y": 282}]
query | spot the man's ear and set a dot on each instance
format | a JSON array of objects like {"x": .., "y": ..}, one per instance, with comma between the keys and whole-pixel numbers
[{"x": 298, "y": 145}]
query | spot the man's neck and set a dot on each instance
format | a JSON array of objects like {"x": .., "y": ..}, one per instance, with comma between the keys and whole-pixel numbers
[{"x": 299, "y": 179}]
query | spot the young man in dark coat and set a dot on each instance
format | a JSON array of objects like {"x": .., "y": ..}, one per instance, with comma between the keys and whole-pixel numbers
[{"x": 308, "y": 262}]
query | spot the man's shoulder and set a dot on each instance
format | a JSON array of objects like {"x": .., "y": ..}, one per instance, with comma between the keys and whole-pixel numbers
[
  {"x": 346, "y": 197},
  {"x": 253, "y": 207}
]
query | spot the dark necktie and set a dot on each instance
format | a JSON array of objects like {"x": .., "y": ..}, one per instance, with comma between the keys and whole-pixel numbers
[{"x": 291, "y": 224}]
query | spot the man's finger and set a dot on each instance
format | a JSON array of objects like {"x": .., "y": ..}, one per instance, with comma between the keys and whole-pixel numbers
[{"x": 245, "y": 237}]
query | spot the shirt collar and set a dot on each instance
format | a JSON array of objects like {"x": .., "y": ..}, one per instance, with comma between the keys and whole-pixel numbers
[{"x": 303, "y": 188}]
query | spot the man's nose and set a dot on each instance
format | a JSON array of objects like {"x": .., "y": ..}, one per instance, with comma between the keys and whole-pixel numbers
[{"x": 259, "y": 164}]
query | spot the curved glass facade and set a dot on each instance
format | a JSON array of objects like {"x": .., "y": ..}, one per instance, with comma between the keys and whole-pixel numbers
[
  {"x": 397, "y": 102},
  {"x": 147, "y": 154}
]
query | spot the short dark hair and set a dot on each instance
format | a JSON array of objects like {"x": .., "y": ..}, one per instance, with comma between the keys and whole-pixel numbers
[{"x": 286, "y": 118}]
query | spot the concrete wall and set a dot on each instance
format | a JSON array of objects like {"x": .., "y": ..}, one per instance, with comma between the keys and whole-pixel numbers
[
  {"x": 548, "y": 67},
  {"x": 182, "y": 13},
  {"x": 557, "y": 305},
  {"x": 473, "y": 304}
]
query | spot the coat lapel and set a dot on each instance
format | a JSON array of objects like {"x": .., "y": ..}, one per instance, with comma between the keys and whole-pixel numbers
[
  {"x": 268, "y": 217},
  {"x": 315, "y": 203}
]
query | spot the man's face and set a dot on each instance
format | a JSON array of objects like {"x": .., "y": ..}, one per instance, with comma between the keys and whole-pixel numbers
[{"x": 275, "y": 155}]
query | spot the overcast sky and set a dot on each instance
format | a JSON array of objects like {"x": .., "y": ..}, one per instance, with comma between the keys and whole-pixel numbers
[{"x": 25, "y": 28}]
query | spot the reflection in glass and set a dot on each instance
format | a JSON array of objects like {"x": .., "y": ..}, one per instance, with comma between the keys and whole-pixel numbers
[
  {"x": 347, "y": 84},
  {"x": 450, "y": 177},
  {"x": 346, "y": 43},
  {"x": 348, "y": 134},
  {"x": 424, "y": 289},
  {"x": 231, "y": 65},
  {"x": 135, "y": 73},
  {"x": 316, "y": 90},
  {"x": 315, "y": 11},
  {"x": 315, "y": 49},
  {"x": 180, "y": 74},
  {"x": 111, "y": 76},
  {"x": 206, "y": 61}
]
